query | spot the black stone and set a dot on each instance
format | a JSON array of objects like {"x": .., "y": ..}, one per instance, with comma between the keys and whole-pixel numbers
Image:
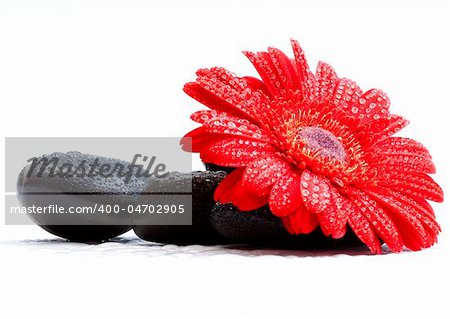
[
  {"x": 262, "y": 228},
  {"x": 201, "y": 230},
  {"x": 78, "y": 191},
  {"x": 211, "y": 223},
  {"x": 216, "y": 168}
]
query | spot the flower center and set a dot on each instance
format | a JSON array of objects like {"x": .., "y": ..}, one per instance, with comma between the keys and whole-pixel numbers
[{"x": 323, "y": 142}]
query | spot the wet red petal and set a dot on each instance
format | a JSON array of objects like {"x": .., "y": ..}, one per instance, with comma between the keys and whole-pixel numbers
[
  {"x": 263, "y": 64},
  {"x": 376, "y": 131},
  {"x": 379, "y": 130},
  {"x": 407, "y": 206},
  {"x": 412, "y": 226},
  {"x": 204, "y": 116},
  {"x": 378, "y": 218},
  {"x": 414, "y": 185},
  {"x": 304, "y": 84},
  {"x": 326, "y": 81},
  {"x": 285, "y": 69},
  {"x": 210, "y": 99},
  {"x": 235, "y": 127},
  {"x": 401, "y": 146},
  {"x": 235, "y": 152},
  {"x": 372, "y": 105},
  {"x": 256, "y": 84},
  {"x": 285, "y": 196},
  {"x": 300, "y": 222},
  {"x": 334, "y": 219},
  {"x": 224, "y": 191},
  {"x": 401, "y": 154},
  {"x": 195, "y": 140},
  {"x": 262, "y": 173},
  {"x": 221, "y": 90},
  {"x": 320, "y": 197},
  {"x": 315, "y": 192},
  {"x": 245, "y": 199},
  {"x": 346, "y": 95},
  {"x": 361, "y": 227}
]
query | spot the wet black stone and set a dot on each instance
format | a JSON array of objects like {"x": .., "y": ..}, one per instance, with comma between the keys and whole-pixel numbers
[
  {"x": 211, "y": 223},
  {"x": 79, "y": 191},
  {"x": 262, "y": 228},
  {"x": 201, "y": 230},
  {"x": 217, "y": 168}
]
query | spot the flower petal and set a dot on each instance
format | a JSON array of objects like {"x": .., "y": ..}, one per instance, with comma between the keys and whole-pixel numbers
[
  {"x": 204, "y": 116},
  {"x": 378, "y": 130},
  {"x": 408, "y": 206},
  {"x": 221, "y": 90},
  {"x": 225, "y": 188},
  {"x": 256, "y": 84},
  {"x": 361, "y": 226},
  {"x": 235, "y": 152},
  {"x": 285, "y": 196},
  {"x": 285, "y": 69},
  {"x": 372, "y": 105},
  {"x": 326, "y": 81},
  {"x": 263, "y": 64},
  {"x": 301, "y": 221},
  {"x": 196, "y": 140},
  {"x": 415, "y": 233},
  {"x": 305, "y": 80},
  {"x": 315, "y": 192},
  {"x": 333, "y": 220},
  {"x": 231, "y": 190},
  {"x": 245, "y": 199},
  {"x": 276, "y": 70},
  {"x": 404, "y": 163},
  {"x": 235, "y": 127},
  {"x": 262, "y": 173},
  {"x": 414, "y": 185},
  {"x": 211, "y": 100},
  {"x": 378, "y": 218},
  {"x": 322, "y": 198},
  {"x": 346, "y": 95},
  {"x": 401, "y": 146}
]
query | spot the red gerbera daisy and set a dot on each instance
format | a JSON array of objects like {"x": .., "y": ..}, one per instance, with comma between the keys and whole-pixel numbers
[{"x": 317, "y": 149}]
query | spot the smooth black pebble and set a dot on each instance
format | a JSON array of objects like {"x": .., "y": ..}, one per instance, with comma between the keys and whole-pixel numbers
[
  {"x": 262, "y": 228},
  {"x": 79, "y": 191},
  {"x": 201, "y": 230}
]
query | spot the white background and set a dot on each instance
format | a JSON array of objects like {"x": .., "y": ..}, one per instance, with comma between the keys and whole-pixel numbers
[{"x": 117, "y": 69}]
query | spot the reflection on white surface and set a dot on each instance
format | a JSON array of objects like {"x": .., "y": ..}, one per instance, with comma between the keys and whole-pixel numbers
[
  {"x": 136, "y": 246},
  {"x": 43, "y": 276}
]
